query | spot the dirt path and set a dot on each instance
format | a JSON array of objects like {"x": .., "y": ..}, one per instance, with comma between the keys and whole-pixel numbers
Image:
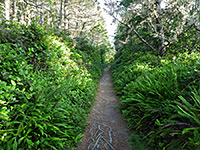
[{"x": 107, "y": 129}]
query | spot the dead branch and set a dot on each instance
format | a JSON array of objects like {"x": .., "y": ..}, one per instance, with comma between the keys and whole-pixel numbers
[
  {"x": 138, "y": 35},
  {"x": 175, "y": 124}
]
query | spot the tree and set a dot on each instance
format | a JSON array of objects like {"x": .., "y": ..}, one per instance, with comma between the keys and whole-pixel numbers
[
  {"x": 7, "y": 9},
  {"x": 61, "y": 13},
  {"x": 80, "y": 18},
  {"x": 165, "y": 24}
]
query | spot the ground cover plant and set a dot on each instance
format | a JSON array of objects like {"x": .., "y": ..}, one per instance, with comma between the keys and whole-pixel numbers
[
  {"x": 160, "y": 97},
  {"x": 47, "y": 88}
]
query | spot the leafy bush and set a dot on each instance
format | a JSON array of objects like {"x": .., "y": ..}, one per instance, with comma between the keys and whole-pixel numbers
[
  {"x": 130, "y": 67},
  {"x": 47, "y": 89},
  {"x": 149, "y": 87},
  {"x": 188, "y": 112},
  {"x": 54, "y": 118}
]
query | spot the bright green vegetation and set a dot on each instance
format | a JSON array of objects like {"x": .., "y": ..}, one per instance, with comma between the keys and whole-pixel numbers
[
  {"x": 160, "y": 97},
  {"x": 156, "y": 72},
  {"x": 47, "y": 86}
]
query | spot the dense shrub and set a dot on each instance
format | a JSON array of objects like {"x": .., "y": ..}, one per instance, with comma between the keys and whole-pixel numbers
[
  {"x": 47, "y": 89},
  {"x": 150, "y": 88}
]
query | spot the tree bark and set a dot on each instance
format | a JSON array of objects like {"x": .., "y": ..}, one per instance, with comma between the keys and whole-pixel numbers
[
  {"x": 22, "y": 13},
  {"x": 60, "y": 17},
  {"x": 65, "y": 14},
  {"x": 41, "y": 14},
  {"x": 14, "y": 10},
  {"x": 7, "y": 9},
  {"x": 160, "y": 29}
]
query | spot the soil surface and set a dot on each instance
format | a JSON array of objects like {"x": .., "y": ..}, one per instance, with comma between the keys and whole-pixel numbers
[{"x": 107, "y": 128}]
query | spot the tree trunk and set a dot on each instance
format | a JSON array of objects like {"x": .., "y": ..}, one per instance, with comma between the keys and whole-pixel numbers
[
  {"x": 52, "y": 20},
  {"x": 14, "y": 10},
  {"x": 65, "y": 14},
  {"x": 22, "y": 13},
  {"x": 160, "y": 29},
  {"x": 28, "y": 16},
  {"x": 7, "y": 9},
  {"x": 60, "y": 17},
  {"x": 41, "y": 14}
]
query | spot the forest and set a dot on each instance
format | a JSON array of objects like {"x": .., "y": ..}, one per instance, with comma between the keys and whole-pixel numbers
[{"x": 53, "y": 53}]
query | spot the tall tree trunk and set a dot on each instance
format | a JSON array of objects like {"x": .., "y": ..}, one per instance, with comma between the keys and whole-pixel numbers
[
  {"x": 22, "y": 13},
  {"x": 7, "y": 9},
  {"x": 14, "y": 10},
  {"x": 160, "y": 29},
  {"x": 41, "y": 14},
  {"x": 65, "y": 14},
  {"x": 60, "y": 17},
  {"x": 28, "y": 16},
  {"x": 52, "y": 19}
]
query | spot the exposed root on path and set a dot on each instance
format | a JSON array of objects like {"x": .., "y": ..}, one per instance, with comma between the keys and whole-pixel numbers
[
  {"x": 107, "y": 129},
  {"x": 101, "y": 137}
]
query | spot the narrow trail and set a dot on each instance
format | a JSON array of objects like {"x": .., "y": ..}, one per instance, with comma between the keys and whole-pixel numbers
[{"x": 106, "y": 129}]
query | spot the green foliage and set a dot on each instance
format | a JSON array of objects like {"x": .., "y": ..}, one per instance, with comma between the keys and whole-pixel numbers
[
  {"x": 54, "y": 118},
  {"x": 95, "y": 55},
  {"x": 150, "y": 88},
  {"x": 190, "y": 110},
  {"x": 169, "y": 33},
  {"x": 130, "y": 71},
  {"x": 188, "y": 115},
  {"x": 137, "y": 143},
  {"x": 157, "y": 93},
  {"x": 47, "y": 88},
  {"x": 188, "y": 42}
]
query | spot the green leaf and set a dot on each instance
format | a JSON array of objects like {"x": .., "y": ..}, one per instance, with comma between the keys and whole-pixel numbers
[
  {"x": 21, "y": 139},
  {"x": 78, "y": 137},
  {"x": 15, "y": 144},
  {"x": 29, "y": 142},
  {"x": 29, "y": 130},
  {"x": 47, "y": 143},
  {"x": 31, "y": 88}
]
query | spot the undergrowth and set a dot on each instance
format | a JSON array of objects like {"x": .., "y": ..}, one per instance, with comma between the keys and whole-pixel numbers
[
  {"x": 47, "y": 88},
  {"x": 160, "y": 97}
]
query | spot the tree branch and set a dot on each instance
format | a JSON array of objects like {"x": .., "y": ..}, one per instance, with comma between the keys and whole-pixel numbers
[
  {"x": 138, "y": 35},
  {"x": 175, "y": 124},
  {"x": 196, "y": 27},
  {"x": 37, "y": 6}
]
